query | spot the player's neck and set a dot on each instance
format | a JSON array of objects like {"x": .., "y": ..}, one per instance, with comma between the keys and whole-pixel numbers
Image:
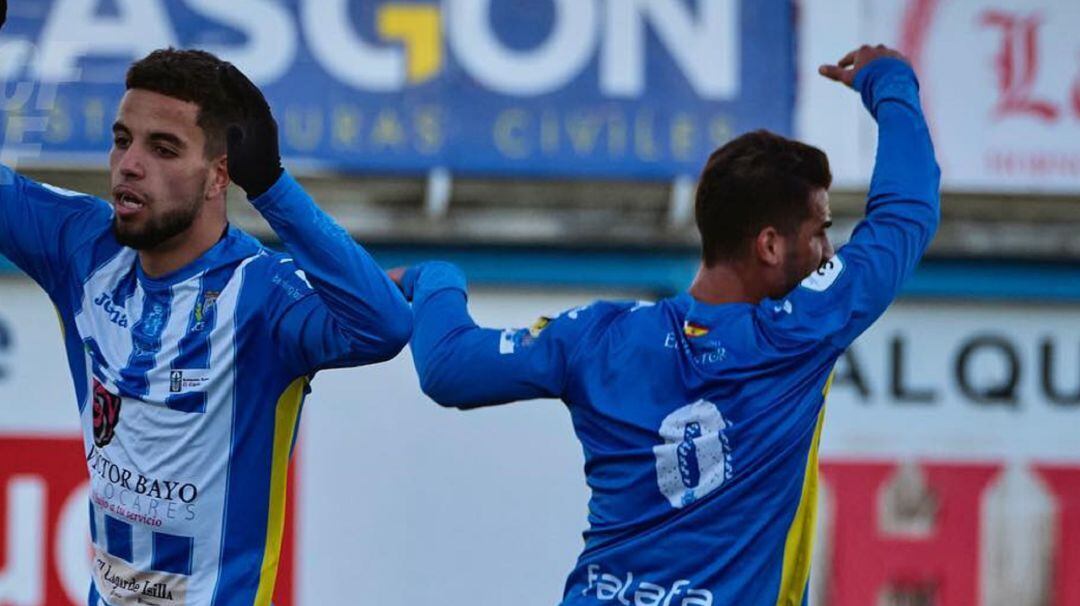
[
  {"x": 726, "y": 283},
  {"x": 183, "y": 249}
]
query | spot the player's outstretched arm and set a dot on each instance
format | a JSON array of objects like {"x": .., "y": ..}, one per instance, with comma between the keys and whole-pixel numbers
[
  {"x": 854, "y": 288},
  {"x": 465, "y": 366},
  {"x": 358, "y": 316},
  {"x": 41, "y": 227}
]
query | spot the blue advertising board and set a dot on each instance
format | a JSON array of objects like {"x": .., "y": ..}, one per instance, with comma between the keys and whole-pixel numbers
[{"x": 639, "y": 89}]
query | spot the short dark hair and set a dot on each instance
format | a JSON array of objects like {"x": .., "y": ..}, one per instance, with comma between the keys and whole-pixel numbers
[
  {"x": 193, "y": 76},
  {"x": 757, "y": 180}
]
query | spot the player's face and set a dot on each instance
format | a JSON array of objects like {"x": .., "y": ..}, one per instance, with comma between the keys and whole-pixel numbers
[
  {"x": 158, "y": 169},
  {"x": 810, "y": 247}
]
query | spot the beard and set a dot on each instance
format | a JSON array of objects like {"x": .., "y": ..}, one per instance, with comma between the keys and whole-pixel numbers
[
  {"x": 794, "y": 273},
  {"x": 157, "y": 230}
]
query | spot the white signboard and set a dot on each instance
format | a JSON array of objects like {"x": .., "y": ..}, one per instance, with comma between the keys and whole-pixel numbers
[
  {"x": 1000, "y": 82},
  {"x": 401, "y": 502}
]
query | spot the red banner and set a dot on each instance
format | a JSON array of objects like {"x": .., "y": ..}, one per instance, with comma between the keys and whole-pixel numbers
[
  {"x": 44, "y": 550},
  {"x": 44, "y": 556}
]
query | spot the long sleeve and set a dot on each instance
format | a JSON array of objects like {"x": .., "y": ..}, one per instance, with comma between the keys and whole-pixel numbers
[
  {"x": 337, "y": 307},
  {"x": 41, "y": 226},
  {"x": 843, "y": 298},
  {"x": 463, "y": 365}
]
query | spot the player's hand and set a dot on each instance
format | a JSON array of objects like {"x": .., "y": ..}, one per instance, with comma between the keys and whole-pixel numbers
[
  {"x": 397, "y": 276},
  {"x": 253, "y": 157},
  {"x": 846, "y": 69}
]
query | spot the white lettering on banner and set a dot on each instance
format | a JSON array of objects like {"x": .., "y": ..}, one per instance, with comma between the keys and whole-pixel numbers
[
  {"x": 976, "y": 381},
  {"x": 72, "y": 538},
  {"x": 74, "y": 30},
  {"x": 345, "y": 55},
  {"x": 707, "y": 51},
  {"x": 15, "y": 55},
  {"x": 550, "y": 67},
  {"x": 23, "y": 575},
  {"x": 269, "y": 29},
  {"x": 702, "y": 39}
]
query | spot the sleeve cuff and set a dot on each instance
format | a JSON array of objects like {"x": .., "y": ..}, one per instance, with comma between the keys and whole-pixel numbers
[
  {"x": 422, "y": 281},
  {"x": 886, "y": 79},
  {"x": 281, "y": 189}
]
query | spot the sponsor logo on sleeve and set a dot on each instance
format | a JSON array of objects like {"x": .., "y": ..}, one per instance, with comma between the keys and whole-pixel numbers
[
  {"x": 512, "y": 339},
  {"x": 825, "y": 275},
  {"x": 507, "y": 344}
]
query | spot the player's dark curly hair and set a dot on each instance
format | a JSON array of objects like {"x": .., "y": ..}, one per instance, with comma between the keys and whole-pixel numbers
[
  {"x": 194, "y": 76},
  {"x": 757, "y": 180}
]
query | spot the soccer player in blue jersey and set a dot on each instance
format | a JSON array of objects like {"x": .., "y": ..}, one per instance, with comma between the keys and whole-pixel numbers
[
  {"x": 190, "y": 344},
  {"x": 700, "y": 415}
]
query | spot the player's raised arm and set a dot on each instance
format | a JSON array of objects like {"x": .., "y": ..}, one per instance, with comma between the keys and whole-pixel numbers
[
  {"x": 356, "y": 314},
  {"x": 853, "y": 288},
  {"x": 465, "y": 366}
]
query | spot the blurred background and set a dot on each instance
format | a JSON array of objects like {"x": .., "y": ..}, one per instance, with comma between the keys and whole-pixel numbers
[{"x": 551, "y": 147}]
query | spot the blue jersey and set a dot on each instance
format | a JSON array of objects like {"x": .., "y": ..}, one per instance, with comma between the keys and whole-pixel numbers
[
  {"x": 189, "y": 385},
  {"x": 700, "y": 423}
]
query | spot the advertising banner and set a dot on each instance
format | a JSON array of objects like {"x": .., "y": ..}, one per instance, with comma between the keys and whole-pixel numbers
[
  {"x": 561, "y": 88},
  {"x": 950, "y": 471},
  {"x": 1000, "y": 82}
]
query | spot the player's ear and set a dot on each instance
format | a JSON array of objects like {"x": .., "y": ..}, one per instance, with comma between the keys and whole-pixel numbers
[
  {"x": 769, "y": 247},
  {"x": 218, "y": 179}
]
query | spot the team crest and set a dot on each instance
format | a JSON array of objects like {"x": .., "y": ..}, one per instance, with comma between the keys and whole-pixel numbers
[
  {"x": 203, "y": 307},
  {"x": 153, "y": 322},
  {"x": 106, "y": 414}
]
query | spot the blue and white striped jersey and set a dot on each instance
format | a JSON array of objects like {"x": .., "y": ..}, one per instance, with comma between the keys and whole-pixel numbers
[
  {"x": 699, "y": 423},
  {"x": 189, "y": 385}
]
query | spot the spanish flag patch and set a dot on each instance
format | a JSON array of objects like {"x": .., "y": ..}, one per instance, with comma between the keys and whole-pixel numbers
[
  {"x": 539, "y": 325},
  {"x": 693, "y": 330}
]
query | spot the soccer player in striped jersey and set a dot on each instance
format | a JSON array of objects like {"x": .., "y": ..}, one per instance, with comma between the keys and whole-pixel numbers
[
  {"x": 700, "y": 415},
  {"x": 190, "y": 344}
]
